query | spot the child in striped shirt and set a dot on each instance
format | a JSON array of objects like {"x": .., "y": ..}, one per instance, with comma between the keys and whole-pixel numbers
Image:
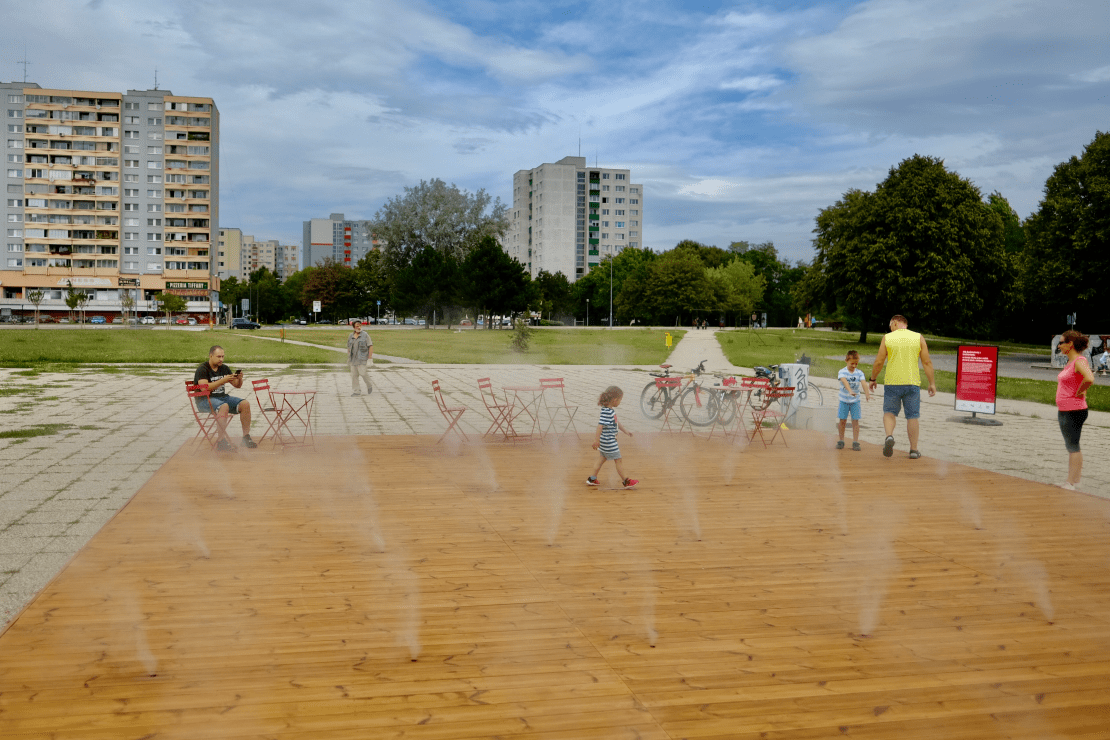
[{"x": 605, "y": 442}]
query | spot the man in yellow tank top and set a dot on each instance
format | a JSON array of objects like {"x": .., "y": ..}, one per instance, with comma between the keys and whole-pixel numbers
[{"x": 902, "y": 385}]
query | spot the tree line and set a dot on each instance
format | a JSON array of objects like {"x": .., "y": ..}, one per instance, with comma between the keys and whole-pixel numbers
[{"x": 926, "y": 244}]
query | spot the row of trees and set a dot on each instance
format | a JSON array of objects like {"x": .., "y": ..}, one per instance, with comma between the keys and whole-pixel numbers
[{"x": 926, "y": 244}]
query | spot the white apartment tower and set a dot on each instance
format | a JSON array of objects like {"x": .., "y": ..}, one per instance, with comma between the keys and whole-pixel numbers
[
  {"x": 567, "y": 216},
  {"x": 113, "y": 193}
]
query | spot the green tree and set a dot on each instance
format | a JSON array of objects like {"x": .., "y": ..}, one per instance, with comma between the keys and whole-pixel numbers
[
  {"x": 334, "y": 285},
  {"x": 426, "y": 285},
  {"x": 677, "y": 289},
  {"x": 373, "y": 284},
  {"x": 554, "y": 294},
  {"x": 629, "y": 269},
  {"x": 171, "y": 303},
  {"x": 438, "y": 216},
  {"x": 293, "y": 288},
  {"x": 1013, "y": 234},
  {"x": 72, "y": 299},
  {"x": 492, "y": 282},
  {"x": 742, "y": 288},
  {"x": 709, "y": 256},
  {"x": 1067, "y": 257},
  {"x": 36, "y": 297},
  {"x": 924, "y": 244},
  {"x": 779, "y": 278}
]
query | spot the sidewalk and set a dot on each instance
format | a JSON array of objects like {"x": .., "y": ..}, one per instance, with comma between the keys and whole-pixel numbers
[{"x": 115, "y": 430}]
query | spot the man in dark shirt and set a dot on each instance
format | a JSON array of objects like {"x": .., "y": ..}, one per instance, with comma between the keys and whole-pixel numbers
[{"x": 217, "y": 376}]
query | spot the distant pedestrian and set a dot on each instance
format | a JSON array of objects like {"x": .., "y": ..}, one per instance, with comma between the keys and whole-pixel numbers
[
  {"x": 902, "y": 385},
  {"x": 360, "y": 353},
  {"x": 1071, "y": 401},
  {"x": 1104, "y": 361},
  {"x": 848, "y": 404},
  {"x": 605, "y": 441}
]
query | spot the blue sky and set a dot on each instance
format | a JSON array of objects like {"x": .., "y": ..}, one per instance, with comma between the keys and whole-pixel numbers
[{"x": 742, "y": 120}]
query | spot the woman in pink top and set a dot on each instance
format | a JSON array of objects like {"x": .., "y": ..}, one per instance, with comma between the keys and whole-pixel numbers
[{"x": 1071, "y": 400}]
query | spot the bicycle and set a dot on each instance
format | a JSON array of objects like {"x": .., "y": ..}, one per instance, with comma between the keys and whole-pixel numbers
[
  {"x": 655, "y": 401},
  {"x": 809, "y": 391}
]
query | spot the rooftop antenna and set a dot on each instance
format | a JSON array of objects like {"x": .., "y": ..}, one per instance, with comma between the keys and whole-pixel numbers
[
  {"x": 155, "y": 78},
  {"x": 24, "y": 62}
]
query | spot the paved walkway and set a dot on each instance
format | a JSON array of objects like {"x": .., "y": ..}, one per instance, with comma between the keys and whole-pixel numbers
[{"x": 111, "y": 431}]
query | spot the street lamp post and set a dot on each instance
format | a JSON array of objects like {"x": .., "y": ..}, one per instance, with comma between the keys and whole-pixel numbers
[{"x": 587, "y": 312}]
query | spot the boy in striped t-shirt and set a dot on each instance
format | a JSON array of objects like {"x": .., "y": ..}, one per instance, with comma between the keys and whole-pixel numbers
[{"x": 605, "y": 441}]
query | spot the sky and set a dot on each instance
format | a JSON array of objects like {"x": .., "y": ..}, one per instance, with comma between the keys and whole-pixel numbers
[{"x": 741, "y": 120}]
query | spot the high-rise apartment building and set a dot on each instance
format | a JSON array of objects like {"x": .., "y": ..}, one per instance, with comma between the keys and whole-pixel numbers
[
  {"x": 566, "y": 216},
  {"x": 256, "y": 253},
  {"x": 228, "y": 251},
  {"x": 345, "y": 241},
  {"x": 112, "y": 193},
  {"x": 288, "y": 260}
]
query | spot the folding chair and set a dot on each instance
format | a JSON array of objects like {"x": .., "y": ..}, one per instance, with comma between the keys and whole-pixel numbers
[
  {"x": 670, "y": 388},
  {"x": 450, "y": 415},
  {"x": 208, "y": 421},
  {"x": 556, "y": 384},
  {"x": 771, "y": 412},
  {"x": 271, "y": 414},
  {"x": 500, "y": 412}
]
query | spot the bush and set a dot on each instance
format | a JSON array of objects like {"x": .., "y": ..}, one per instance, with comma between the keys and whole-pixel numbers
[{"x": 522, "y": 334}]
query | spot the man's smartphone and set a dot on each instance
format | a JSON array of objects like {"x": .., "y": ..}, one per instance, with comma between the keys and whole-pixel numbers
[{"x": 239, "y": 371}]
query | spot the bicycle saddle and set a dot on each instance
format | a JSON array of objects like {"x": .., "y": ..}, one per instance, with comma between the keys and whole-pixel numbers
[{"x": 664, "y": 366}]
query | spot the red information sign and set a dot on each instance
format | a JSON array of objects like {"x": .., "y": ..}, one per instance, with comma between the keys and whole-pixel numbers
[{"x": 976, "y": 378}]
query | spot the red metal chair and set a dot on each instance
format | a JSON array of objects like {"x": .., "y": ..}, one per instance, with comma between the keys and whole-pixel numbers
[
  {"x": 771, "y": 411},
  {"x": 671, "y": 388},
  {"x": 556, "y": 384},
  {"x": 208, "y": 421},
  {"x": 500, "y": 412},
  {"x": 450, "y": 415},
  {"x": 271, "y": 414}
]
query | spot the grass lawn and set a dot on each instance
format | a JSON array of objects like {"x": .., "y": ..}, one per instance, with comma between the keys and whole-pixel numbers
[
  {"x": 31, "y": 348},
  {"x": 548, "y": 346},
  {"x": 787, "y": 345}
]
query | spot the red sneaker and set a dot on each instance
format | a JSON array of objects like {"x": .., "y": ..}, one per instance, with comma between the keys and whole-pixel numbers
[
  {"x": 629, "y": 483},
  {"x": 591, "y": 481}
]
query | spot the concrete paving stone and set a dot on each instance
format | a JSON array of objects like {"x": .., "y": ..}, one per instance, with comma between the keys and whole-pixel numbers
[
  {"x": 37, "y": 529},
  {"x": 67, "y": 544},
  {"x": 11, "y": 604},
  {"x": 52, "y": 517},
  {"x": 30, "y": 580},
  {"x": 17, "y": 544},
  {"x": 12, "y": 562}
]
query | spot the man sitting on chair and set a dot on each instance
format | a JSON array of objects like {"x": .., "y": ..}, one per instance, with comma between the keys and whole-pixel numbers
[{"x": 214, "y": 374}]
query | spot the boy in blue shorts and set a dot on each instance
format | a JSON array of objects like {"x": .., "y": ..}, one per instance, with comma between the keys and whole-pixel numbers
[{"x": 851, "y": 382}]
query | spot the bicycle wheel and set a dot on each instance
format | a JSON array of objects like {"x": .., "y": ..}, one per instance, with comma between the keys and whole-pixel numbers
[
  {"x": 726, "y": 409},
  {"x": 699, "y": 414},
  {"x": 653, "y": 400}
]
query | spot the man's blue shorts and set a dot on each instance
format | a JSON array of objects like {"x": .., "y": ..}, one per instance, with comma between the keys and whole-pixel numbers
[
  {"x": 231, "y": 402},
  {"x": 844, "y": 410},
  {"x": 896, "y": 397}
]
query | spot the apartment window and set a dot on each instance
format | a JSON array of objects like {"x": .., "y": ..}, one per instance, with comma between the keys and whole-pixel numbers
[
  {"x": 633, "y": 190},
  {"x": 15, "y": 98},
  {"x": 605, "y": 188},
  {"x": 131, "y": 236},
  {"x": 154, "y": 122},
  {"x": 131, "y": 119},
  {"x": 154, "y": 106},
  {"x": 153, "y": 193},
  {"x": 619, "y": 176},
  {"x": 633, "y": 201},
  {"x": 15, "y": 128},
  {"x": 153, "y": 207},
  {"x": 153, "y": 267},
  {"x": 152, "y": 165},
  {"x": 15, "y": 262},
  {"x": 130, "y": 222},
  {"x": 619, "y": 188},
  {"x": 131, "y": 106},
  {"x": 130, "y": 134},
  {"x": 130, "y": 206},
  {"x": 15, "y": 143},
  {"x": 635, "y": 211},
  {"x": 15, "y": 218},
  {"x": 154, "y": 150},
  {"x": 154, "y": 135},
  {"x": 632, "y": 244},
  {"x": 130, "y": 149},
  {"x": 15, "y": 114},
  {"x": 130, "y": 193},
  {"x": 15, "y": 202},
  {"x": 154, "y": 222},
  {"x": 633, "y": 223},
  {"x": 604, "y": 211},
  {"x": 109, "y": 131},
  {"x": 131, "y": 265},
  {"x": 131, "y": 163},
  {"x": 15, "y": 248},
  {"x": 15, "y": 157},
  {"x": 620, "y": 224},
  {"x": 604, "y": 175},
  {"x": 130, "y": 178},
  {"x": 604, "y": 235},
  {"x": 15, "y": 232},
  {"x": 155, "y": 179},
  {"x": 619, "y": 200}
]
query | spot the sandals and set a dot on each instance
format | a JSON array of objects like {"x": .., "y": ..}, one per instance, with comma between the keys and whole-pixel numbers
[
  {"x": 914, "y": 454},
  {"x": 840, "y": 444}
]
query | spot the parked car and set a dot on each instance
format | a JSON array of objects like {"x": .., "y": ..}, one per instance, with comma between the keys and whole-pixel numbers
[
  {"x": 98, "y": 320},
  {"x": 163, "y": 320},
  {"x": 244, "y": 324},
  {"x": 181, "y": 321},
  {"x": 147, "y": 320},
  {"x": 117, "y": 319},
  {"x": 46, "y": 319},
  {"x": 192, "y": 321},
  {"x": 302, "y": 322},
  {"x": 132, "y": 321},
  {"x": 410, "y": 322},
  {"x": 323, "y": 321}
]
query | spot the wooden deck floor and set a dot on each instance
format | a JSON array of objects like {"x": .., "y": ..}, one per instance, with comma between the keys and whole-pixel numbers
[{"x": 386, "y": 588}]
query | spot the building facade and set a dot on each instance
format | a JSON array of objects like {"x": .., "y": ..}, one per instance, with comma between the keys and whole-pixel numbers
[
  {"x": 344, "y": 241},
  {"x": 116, "y": 194},
  {"x": 288, "y": 260},
  {"x": 256, "y": 253},
  {"x": 229, "y": 249},
  {"x": 567, "y": 216}
]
